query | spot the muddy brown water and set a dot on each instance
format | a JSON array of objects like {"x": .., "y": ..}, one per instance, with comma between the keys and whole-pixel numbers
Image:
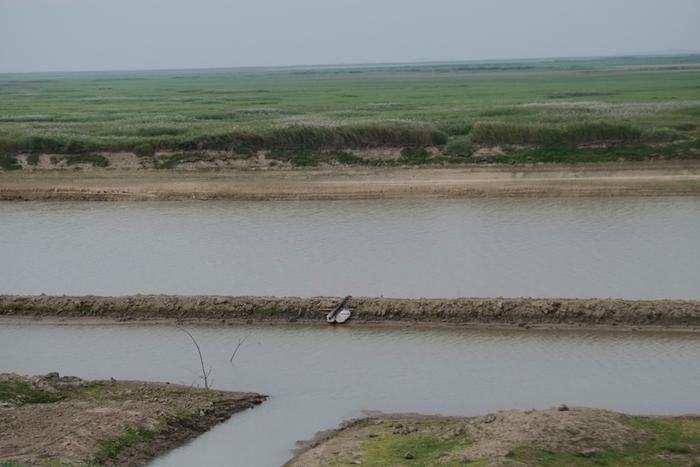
[
  {"x": 577, "y": 247},
  {"x": 317, "y": 376}
]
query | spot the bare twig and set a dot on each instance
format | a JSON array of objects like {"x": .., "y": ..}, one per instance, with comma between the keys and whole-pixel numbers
[
  {"x": 240, "y": 343},
  {"x": 205, "y": 374}
]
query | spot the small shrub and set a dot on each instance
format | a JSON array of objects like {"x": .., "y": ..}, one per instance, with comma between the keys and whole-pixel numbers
[
  {"x": 414, "y": 155},
  {"x": 8, "y": 163},
  {"x": 459, "y": 146},
  {"x": 348, "y": 158},
  {"x": 33, "y": 159},
  {"x": 305, "y": 159},
  {"x": 438, "y": 138},
  {"x": 144, "y": 150},
  {"x": 41, "y": 144}
]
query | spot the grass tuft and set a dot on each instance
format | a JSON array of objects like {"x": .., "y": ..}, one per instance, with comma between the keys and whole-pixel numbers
[
  {"x": 33, "y": 158},
  {"x": 144, "y": 150},
  {"x": 496, "y": 133},
  {"x": 8, "y": 162},
  {"x": 672, "y": 442},
  {"x": 414, "y": 155},
  {"x": 459, "y": 146},
  {"x": 170, "y": 162},
  {"x": 109, "y": 449},
  {"x": 21, "y": 392}
]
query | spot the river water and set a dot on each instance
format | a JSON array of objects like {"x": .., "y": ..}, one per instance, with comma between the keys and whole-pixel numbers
[
  {"x": 587, "y": 247},
  {"x": 317, "y": 376}
]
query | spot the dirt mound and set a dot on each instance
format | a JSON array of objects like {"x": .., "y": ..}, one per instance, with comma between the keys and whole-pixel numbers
[
  {"x": 65, "y": 420},
  {"x": 521, "y": 312},
  {"x": 558, "y": 436}
]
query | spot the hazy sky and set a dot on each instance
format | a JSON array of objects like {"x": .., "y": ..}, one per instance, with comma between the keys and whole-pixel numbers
[{"x": 57, "y": 35}]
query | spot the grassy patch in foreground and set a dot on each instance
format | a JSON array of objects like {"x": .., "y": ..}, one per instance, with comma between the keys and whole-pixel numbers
[
  {"x": 673, "y": 442},
  {"x": 431, "y": 444},
  {"x": 20, "y": 392},
  {"x": 109, "y": 449},
  {"x": 424, "y": 449}
]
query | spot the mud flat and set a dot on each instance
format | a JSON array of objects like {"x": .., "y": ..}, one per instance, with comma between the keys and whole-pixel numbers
[
  {"x": 560, "y": 436},
  {"x": 660, "y": 178},
  {"x": 519, "y": 312},
  {"x": 54, "y": 420}
]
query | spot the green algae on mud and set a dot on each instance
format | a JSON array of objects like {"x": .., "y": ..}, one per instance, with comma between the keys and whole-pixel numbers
[
  {"x": 561, "y": 436},
  {"x": 54, "y": 420},
  {"x": 521, "y": 312}
]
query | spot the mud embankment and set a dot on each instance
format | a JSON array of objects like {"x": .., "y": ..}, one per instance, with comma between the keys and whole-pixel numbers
[
  {"x": 520, "y": 312},
  {"x": 54, "y": 420},
  {"x": 661, "y": 178}
]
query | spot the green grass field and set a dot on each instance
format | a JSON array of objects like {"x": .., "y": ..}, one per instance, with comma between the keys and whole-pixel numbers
[{"x": 561, "y": 106}]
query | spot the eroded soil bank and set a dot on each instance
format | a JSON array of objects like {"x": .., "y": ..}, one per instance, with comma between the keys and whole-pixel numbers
[
  {"x": 659, "y": 178},
  {"x": 54, "y": 420},
  {"x": 521, "y": 312},
  {"x": 560, "y": 436}
]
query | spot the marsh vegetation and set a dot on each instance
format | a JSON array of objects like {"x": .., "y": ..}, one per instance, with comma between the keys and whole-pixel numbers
[{"x": 588, "y": 110}]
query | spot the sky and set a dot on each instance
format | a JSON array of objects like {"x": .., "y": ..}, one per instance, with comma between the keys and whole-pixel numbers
[{"x": 82, "y": 35}]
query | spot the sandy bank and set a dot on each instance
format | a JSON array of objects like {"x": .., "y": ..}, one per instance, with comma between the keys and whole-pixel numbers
[
  {"x": 521, "y": 312},
  {"x": 52, "y": 420},
  {"x": 603, "y": 179},
  {"x": 560, "y": 436}
]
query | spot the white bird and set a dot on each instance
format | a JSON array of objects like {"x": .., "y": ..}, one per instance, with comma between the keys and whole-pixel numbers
[{"x": 342, "y": 315}]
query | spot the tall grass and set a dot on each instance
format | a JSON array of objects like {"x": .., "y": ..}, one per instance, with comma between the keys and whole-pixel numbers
[
  {"x": 322, "y": 137},
  {"x": 495, "y": 133},
  {"x": 244, "y": 141},
  {"x": 402, "y": 107}
]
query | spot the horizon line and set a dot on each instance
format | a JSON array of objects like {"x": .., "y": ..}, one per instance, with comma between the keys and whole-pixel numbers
[{"x": 377, "y": 64}]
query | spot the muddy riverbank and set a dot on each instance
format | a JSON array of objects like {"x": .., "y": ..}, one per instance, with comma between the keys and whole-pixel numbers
[
  {"x": 659, "y": 178},
  {"x": 519, "y": 312},
  {"x": 557, "y": 436},
  {"x": 68, "y": 421}
]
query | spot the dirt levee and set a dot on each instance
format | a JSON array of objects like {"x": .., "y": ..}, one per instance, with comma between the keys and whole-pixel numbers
[{"x": 507, "y": 311}]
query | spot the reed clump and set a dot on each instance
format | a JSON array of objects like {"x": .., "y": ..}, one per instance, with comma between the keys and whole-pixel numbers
[
  {"x": 361, "y": 135},
  {"x": 498, "y": 133}
]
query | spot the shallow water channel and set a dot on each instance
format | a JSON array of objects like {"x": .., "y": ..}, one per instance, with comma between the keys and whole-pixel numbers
[
  {"x": 317, "y": 376},
  {"x": 588, "y": 247}
]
